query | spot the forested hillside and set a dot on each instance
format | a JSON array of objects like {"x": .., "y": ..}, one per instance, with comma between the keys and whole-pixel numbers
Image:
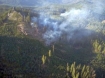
[{"x": 25, "y": 54}]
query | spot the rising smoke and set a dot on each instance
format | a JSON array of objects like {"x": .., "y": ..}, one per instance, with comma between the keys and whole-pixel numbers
[{"x": 73, "y": 22}]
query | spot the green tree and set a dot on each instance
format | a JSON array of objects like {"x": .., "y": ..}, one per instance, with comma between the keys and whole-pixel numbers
[
  {"x": 99, "y": 60},
  {"x": 81, "y": 71},
  {"x": 67, "y": 67},
  {"x": 43, "y": 59},
  {"x": 49, "y": 53},
  {"x": 28, "y": 18}
]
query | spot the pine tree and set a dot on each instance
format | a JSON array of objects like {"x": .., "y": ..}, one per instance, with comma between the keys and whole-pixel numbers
[
  {"x": 49, "y": 53},
  {"x": 43, "y": 59},
  {"x": 80, "y": 71},
  {"x": 67, "y": 67}
]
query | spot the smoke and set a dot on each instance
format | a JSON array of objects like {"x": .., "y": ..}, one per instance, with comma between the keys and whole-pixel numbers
[{"x": 73, "y": 22}]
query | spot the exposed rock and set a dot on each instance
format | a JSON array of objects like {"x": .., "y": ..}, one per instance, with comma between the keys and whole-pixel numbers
[
  {"x": 15, "y": 16},
  {"x": 21, "y": 27}
]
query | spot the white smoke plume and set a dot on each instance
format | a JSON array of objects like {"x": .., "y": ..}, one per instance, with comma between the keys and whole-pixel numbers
[{"x": 71, "y": 21}]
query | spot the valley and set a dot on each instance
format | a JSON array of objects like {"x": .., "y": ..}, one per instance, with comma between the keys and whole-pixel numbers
[{"x": 56, "y": 41}]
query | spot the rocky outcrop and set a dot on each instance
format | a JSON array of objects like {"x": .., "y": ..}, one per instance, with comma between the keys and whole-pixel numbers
[
  {"x": 23, "y": 28},
  {"x": 15, "y": 16}
]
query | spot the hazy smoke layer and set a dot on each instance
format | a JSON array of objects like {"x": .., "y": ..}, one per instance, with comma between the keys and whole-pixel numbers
[{"x": 73, "y": 22}]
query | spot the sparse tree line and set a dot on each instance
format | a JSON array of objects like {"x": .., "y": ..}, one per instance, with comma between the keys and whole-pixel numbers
[
  {"x": 73, "y": 70},
  {"x": 80, "y": 71},
  {"x": 99, "y": 60}
]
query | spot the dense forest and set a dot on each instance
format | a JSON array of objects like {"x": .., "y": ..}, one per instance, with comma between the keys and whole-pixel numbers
[{"x": 22, "y": 55}]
